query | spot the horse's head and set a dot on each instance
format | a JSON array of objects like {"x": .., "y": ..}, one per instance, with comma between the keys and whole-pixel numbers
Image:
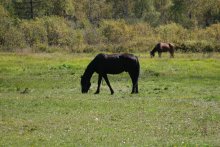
[
  {"x": 85, "y": 84},
  {"x": 152, "y": 54}
]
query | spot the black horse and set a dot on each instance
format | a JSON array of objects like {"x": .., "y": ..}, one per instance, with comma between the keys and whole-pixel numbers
[
  {"x": 163, "y": 47},
  {"x": 104, "y": 64}
]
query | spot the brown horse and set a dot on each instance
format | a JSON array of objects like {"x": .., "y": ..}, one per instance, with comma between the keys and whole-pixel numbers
[{"x": 163, "y": 47}]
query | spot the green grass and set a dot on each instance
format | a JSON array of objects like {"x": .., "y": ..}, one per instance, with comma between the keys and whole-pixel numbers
[{"x": 41, "y": 103}]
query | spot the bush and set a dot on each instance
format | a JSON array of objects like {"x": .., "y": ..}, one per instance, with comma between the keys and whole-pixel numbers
[
  {"x": 172, "y": 33},
  {"x": 59, "y": 31},
  {"x": 196, "y": 46},
  {"x": 61, "y": 34},
  {"x": 51, "y": 34},
  {"x": 34, "y": 32},
  {"x": 144, "y": 39},
  {"x": 11, "y": 38},
  {"x": 92, "y": 36},
  {"x": 116, "y": 31},
  {"x": 3, "y": 12},
  {"x": 77, "y": 41},
  {"x": 213, "y": 32}
]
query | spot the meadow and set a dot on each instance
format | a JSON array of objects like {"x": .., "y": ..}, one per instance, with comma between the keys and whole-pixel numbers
[{"x": 41, "y": 102}]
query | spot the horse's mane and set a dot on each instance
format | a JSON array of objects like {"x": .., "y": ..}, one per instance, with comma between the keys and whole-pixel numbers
[
  {"x": 155, "y": 48},
  {"x": 89, "y": 70}
]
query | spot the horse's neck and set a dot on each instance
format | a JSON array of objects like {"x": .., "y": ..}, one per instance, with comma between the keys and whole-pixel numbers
[
  {"x": 154, "y": 50},
  {"x": 89, "y": 70}
]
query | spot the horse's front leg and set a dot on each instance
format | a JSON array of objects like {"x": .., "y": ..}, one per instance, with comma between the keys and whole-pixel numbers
[
  {"x": 108, "y": 83},
  {"x": 99, "y": 83},
  {"x": 159, "y": 54}
]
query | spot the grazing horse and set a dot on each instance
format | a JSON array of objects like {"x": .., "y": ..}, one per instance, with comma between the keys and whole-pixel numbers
[
  {"x": 163, "y": 47},
  {"x": 104, "y": 64}
]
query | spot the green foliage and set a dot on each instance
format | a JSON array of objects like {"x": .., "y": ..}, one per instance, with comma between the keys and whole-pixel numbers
[
  {"x": 92, "y": 36},
  {"x": 109, "y": 25},
  {"x": 11, "y": 38},
  {"x": 201, "y": 40},
  {"x": 213, "y": 32},
  {"x": 34, "y": 31},
  {"x": 3, "y": 12},
  {"x": 78, "y": 41},
  {"x": 7, "y": 5},
  {"x": 198, "y": 46},
  {"x": 172, "y": 33},
  {"x": 63, "y": 7},
  {"x": 116, "y": 31},
  {"x": 57, "y": 31}
]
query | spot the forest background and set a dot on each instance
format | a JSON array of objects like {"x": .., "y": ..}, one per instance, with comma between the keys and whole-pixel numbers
[{"x": 108, "y": 25}]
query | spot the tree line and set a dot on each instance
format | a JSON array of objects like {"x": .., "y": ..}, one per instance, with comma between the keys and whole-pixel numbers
[{"x": 109, "y": 25}]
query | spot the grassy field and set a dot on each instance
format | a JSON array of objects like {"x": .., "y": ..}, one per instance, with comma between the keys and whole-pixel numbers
[{"x": 41, "y": 104}]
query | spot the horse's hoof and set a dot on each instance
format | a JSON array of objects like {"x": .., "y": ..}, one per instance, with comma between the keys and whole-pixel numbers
[{"x": 96, "y": 93}]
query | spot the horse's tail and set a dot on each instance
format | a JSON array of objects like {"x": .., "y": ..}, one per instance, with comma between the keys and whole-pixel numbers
[
  {"x": 138, "y": 66},
  {"x": 172, "y": 45}
]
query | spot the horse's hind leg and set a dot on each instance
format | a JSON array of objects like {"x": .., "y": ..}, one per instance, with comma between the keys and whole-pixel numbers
[
  {"x": 108, "y": 83},
  {"x": 99, "y": 83},
  {"x": 134, "y": 79},
  {"x": 171, "y": 54},
  {"x": 136, "y": 88}
]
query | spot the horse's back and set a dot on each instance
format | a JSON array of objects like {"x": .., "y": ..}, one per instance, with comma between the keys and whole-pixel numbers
[
  {"x": 128, "y": 56},
  {"x": 115, "y": 63},
  {"x": 163, "y": 47},
  {"x": 130, "y": 63},
  {"x": 116, "y": 57}
]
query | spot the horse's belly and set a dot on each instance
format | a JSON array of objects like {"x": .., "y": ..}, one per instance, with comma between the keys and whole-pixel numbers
[
  {"x": 114, "y": 70},
  {"x": 115, "y": 66}
]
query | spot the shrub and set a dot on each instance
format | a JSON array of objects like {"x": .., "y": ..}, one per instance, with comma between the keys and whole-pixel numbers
[
  {"x": 77, "y": 41},
  {"x": 92, "y": 36},
  {"x": 213, "y": 32},
  {"x": 143, "y": 29},
  {"x": 172, "y": 33},
  {"x": 3, "y": 12},
  {"x": 10, "y": 35},
  {"x": 11, "y": 38},
  {"x": 59, "y": 31},
  {"x": 34, "y": 32},
  {"x": 116, "y": 31},
  {"x": 144, "y": 39},
  {"x": 196, "y": 46}
]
